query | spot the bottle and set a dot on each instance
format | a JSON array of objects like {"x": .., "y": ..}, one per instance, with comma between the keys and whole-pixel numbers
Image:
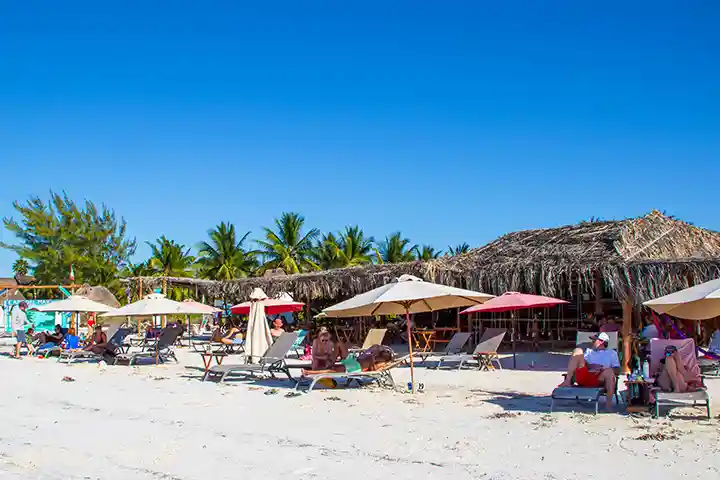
[{"x": 646, "y": 370}]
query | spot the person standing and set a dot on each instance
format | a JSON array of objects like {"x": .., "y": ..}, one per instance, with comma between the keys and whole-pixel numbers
[{"x": 18, "y": 320}]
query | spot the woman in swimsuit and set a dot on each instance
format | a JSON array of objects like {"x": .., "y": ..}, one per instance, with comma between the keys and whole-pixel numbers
[
  {"x": 278, "y": 328},
  {"x": 99, "y": 341},
  {"x": 674, "y": 376},
  {"x": 372, "y": 359},
  {"x": 233, "y": 336}
]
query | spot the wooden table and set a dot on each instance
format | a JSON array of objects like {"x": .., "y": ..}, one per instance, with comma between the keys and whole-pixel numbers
[
  {"x": 638, "y": 394},
  {"x": 209, "y": 355},
  {"x": 443, "y": 335},
  {"x": 344, "y": 333},
  {"x": 423, "y": 340}
]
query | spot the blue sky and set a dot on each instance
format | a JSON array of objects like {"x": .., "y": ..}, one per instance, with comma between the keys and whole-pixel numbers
[{"x": 449, "y": 121}]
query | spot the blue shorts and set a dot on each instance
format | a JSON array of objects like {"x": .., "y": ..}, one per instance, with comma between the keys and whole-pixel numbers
[{"x": 21, "y": 336}]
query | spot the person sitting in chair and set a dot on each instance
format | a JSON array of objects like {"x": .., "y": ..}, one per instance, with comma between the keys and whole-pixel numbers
[
  {"x": 595, "y": 367},
  {"x": 674, "y": 376},
  {"x": 372, "y": 359},
  {"x": 233, "y": 336}
]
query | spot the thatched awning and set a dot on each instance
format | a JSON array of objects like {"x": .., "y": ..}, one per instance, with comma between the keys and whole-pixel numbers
[{"x": 639, "y": 259}]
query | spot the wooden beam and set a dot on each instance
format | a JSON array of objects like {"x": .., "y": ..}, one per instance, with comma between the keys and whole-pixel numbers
[
  {"x": 626, "y": 335},
  {"x": 38, "y": 287}
]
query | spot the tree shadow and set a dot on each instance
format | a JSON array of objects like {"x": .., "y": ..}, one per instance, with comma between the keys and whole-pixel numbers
[
  {"x": 536, "y": 361},
  {"x": 512, "y": 401}
]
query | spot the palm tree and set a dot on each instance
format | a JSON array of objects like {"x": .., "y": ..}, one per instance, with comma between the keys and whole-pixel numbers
[
  {"x": 458, "y": 250},
  {"x": 224, "y": 258},
  {"x": 287, "y": 247},
  {"x": 170, "y": 259},
  {"x": 326, "y": 251},
  {"x": 427, "y": 253},
  {"x": 21, "y": 267},
  {"x": 348, "y": 249},
  {"x": 395, "y": 249}
]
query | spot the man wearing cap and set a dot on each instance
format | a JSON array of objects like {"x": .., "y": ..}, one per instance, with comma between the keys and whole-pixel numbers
[
  {"x": 595, "y": 367},
  {"x": 18, "y": 320}
]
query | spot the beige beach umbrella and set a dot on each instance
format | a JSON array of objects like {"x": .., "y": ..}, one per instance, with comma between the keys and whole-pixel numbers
[
  {"x": 406, "y": 295},
  {"x": 156, "y": 304},
  {"x": 700, "y": 302},
  {"x": 258, "y": 338},
  {"x": 74, "y": 304},
  {"x": 206, "y": 309}
]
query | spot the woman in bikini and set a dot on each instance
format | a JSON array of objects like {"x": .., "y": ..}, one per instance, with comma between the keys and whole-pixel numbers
[
  {"x": 674, "y": 376},
  {"x": 372, "y": 359}
]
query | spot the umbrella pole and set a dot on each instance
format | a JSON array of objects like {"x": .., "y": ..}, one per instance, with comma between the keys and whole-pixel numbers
[
  {"x": 512, "y": 329},
  {"x": 412, "y": 364}
]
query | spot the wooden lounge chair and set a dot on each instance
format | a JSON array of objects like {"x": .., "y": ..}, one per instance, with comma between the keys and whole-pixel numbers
[
  {"x": 162, "y": 350},
  {"x": 272, "y": 362},
  {"x": 382, "y": 376},
  {"x": 585, "y": 394},
  {"x": 375, "y": 336},
  {"x": 117, "y": 340},
  {"x": 485, "y": 353},
  {"x": 453, "y": 350},
  {"x": 686, "y": 349}
]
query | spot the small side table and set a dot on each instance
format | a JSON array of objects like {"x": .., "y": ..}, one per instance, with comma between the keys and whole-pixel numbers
[{"x": 638, "y": 394}]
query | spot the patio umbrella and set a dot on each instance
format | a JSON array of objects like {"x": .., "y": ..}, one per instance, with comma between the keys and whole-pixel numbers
[
  {"x": 74, "y": 304},
  {"x": 258, "y": 338},
  {"x": 283, "y": 303},
  {"x": 406, "y": 295},
  {"x": 206, "y": 309},
  {"x": 700, "y": 302},
  {"x": 511, "y": 302}
]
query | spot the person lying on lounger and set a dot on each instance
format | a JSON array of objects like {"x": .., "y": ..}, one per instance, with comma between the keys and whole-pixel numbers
[
  {"x": 372, "y": 359},
  {"x": 596, "y": 367},
  {"x": 674, "y": 376},
  {"x": 233, "y": 336}
]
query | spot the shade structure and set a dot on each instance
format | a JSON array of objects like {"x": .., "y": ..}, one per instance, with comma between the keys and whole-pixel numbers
[
  {"x": 283, "y": 303},
  {"x": 511, "y": 301},
  {"x": 155, "y": 304},
  {"x": 258, "y": 338},
  {"x": 406, "y": 295},
  {"x": 700, "y": 302},
  {"x": 206, "y": 309},
  {"x": 74, "y": 303}
]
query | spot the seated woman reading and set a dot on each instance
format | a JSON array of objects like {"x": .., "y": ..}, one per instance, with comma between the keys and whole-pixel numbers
[
  {"x": 675, "y": 376},
  {"x": 372, "y": 359}
]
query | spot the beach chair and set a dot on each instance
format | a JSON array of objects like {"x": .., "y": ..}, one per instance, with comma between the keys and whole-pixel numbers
[
  {"x": 382, "y": 376},
  {"x": 298, "y": 346},
  {"x": 162, "y": 350},
  {"x": 375, "y": 336},
  {"x": 453, "y": 350},
  {"x": 117, "y": 340},
  {"x": 272, "y": 361},
  {"x": 485, "y": 353},
  {"x": 585, "y": 394},
  {"x": 686, "y": 349}
]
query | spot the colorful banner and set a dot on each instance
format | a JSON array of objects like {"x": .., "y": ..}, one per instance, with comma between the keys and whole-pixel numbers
[{"x": 41, "y": 320}]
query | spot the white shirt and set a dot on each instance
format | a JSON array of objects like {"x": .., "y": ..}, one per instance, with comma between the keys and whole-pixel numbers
[
  {"x": 18, "y": 319},
  {"x": 607, "y": 358}
]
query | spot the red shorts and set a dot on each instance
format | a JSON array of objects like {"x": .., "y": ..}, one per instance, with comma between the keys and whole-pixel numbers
[{"x": 586, "y": 378}]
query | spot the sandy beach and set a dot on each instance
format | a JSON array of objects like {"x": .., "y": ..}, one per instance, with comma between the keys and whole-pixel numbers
[{"x": 148, "y": 422}]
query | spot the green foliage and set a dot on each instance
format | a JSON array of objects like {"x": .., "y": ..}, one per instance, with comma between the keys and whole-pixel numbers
[
  {"x": 286, "y": 247},
  {"x": 55, "y": 236},
  {"x": 426, "y": 253},
  {"x": 21, "y": 267},
  {"x": 223, "y": 257},
  {"x": 458, "y": 250},
  {"x": 350, "y": 248},
  {"x": 395, "y": 249},
  {"x": 170, "y": 259}
]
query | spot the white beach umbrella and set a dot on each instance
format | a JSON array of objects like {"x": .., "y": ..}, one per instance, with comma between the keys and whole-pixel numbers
[
  {"x": 156, "y": 304},
  {"x": 258, "y": 338},
  {"x": 700, "y": 302},
  {"x": 206, "y": 309},
  {"x": 406, "y": 295},
  {"x": 74, "y": 303}
]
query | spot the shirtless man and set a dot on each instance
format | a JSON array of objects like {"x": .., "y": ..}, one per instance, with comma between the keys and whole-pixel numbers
[{"x": 597, "y": 366}]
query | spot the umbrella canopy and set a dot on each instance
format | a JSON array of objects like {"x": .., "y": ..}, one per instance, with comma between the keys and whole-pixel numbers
[
  {"x": 155, "y": 304},
  {"x": 281, "y": 304},
  {"x": 406, "y": 295},
  {"x": 74, "y": 303},
  {"x": 511, "y": 301},
  {"x": 207, "y": 309},
  {"x": 700, "y": 302},
  {"x": 258, "y": 337}
]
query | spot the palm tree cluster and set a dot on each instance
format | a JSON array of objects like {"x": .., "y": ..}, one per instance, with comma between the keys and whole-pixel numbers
[{"x": 288, "y": 246}]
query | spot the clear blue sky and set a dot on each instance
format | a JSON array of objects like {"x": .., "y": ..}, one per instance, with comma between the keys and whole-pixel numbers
[{"x": 449, "y": 121}]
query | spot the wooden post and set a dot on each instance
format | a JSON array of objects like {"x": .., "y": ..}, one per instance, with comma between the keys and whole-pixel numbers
[
  {"x": 457, "y": 320},
  {"x": 626, "y": 335},
  {"x": 598, "y": 293}
]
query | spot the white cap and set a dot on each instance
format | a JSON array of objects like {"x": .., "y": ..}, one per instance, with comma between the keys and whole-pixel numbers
[{"x": 602, "y": 336}]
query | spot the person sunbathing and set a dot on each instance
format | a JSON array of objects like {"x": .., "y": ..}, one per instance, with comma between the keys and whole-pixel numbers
[
  {"x": 324, "y": 351},
  {"x": 278, "y": 328},
  {"x": 49, "y": 340},
  {"x": 98, "y": 343},
  {"x": 233, "y": 336},
  {"x": 674, "y": 376},
  {"x": 372, "y": 359},
  {"x": 595, "y": 367}
]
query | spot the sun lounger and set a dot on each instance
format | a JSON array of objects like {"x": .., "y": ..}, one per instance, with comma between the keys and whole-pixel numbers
[
  {"x": 272, "y": 362},
  {"x": 485, "y": 353},
  {"x": 588, "y": 395},
  {"x": 382, "y": 376},
  {"x": 117, "y": 340},
  {"x": 453, "y": 350},
  {"x": 375, "y": 336},
  {"x": 299, "y": 343},
  {"x": 162, "y": 350},
  {"x": 686, "y": 349}
]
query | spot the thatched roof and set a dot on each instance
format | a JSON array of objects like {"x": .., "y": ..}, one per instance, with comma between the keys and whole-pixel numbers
[
  {"x": 99, "y": 294},
  {"x": 639, "y": 259}
]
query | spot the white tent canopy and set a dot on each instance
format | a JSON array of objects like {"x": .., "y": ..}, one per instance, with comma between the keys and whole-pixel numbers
[
  {"x": 74, "y": 303},
  {"x": 700, "y": 302}
]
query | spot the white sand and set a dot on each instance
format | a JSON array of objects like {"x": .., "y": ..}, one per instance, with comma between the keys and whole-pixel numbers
[{"x": 162, "y": 423}]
